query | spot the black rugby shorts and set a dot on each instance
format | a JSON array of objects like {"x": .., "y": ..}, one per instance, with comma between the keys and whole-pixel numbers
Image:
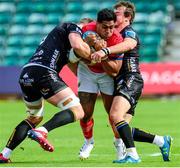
[{"x": 37, "y": 82}]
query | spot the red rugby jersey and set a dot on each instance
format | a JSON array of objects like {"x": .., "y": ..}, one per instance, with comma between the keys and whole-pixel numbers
[{"x": 114, "y": 39}]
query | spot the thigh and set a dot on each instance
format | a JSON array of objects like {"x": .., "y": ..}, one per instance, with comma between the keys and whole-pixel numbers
[
  {"x": 107, "y": 101},
  {"x": 27, "y": 83},
  {"x": 50, "y": 84},
  {"x": 130, "y": 87},
  {"x": 119, "y": 108},
  {"x": 87, "y": 101}
]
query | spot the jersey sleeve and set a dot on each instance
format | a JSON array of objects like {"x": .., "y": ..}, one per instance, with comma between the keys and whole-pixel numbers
[
  {"x": 73, "y": 28},
  {"x": 116, "y": 56},
  {"x": 130, "y": 33}
]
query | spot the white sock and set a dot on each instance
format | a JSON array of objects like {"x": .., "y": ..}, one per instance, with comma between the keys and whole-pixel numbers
[
  {"x": 120, "y": 148},
  {"x": 132, "y": 152},
  {"x": 6, "y": 152},
  {"x": 42, "y": 129},
  {"x": 158, "y": 140},
  {"x": 90, "y": 140},
  {"x": 118, "y": 141}
]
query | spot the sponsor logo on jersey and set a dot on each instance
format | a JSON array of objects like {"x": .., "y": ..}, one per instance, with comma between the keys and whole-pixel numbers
[
  {"x": 131, "y": 34},
  {"x": 54, "y": 59},
  {"x": 25, "y": 75},
  {"x": 26, "y": 81},
  {"x": 38, "y": 54},
  {"x": 45, "y": 91},
  {"x": 78, "y": 30}
]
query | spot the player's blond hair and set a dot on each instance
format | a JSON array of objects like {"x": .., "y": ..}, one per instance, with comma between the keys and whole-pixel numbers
[{"x": 86, "y": 20}]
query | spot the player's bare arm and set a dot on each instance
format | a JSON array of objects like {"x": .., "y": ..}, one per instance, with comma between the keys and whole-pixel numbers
[
  {"x": 111, "y": 67},
  {"x": 95, "y": 43},
  {"x": 126, "y": 45},
  {"x": 79, "y": 46}
]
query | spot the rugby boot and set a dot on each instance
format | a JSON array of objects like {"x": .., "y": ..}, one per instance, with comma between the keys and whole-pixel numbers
[
  {"x": 165, "y": 149},
  {"x": 128, "y": 159},
  {"x": 3, "y": 159},
  {"x": 41, "y": 138},
  {"x": 86, "y": 149}
]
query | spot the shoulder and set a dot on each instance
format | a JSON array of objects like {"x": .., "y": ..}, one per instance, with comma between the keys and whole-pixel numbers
[
  {"x": 129, "y": 32},
  {"x": 90, "y": 26},
  {"x": 73, "y": 28}
]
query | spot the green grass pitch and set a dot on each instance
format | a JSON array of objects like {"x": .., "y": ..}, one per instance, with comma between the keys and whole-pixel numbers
[{"x": 156, "y": 116}]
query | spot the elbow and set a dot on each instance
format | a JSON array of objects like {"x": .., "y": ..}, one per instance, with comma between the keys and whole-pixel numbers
[
  {"x": 112, "y": 74},
  {"x": 76, "y": 46},
  {"x": 131, "y": 48}
]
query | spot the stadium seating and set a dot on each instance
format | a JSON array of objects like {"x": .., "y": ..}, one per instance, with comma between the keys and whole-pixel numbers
[
  {"x": 23, "y": 23},
  {"x": 176, "y": 4}
]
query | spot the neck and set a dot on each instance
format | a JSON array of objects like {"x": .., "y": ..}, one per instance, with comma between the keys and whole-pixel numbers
[{"x": 122, "y": 26}]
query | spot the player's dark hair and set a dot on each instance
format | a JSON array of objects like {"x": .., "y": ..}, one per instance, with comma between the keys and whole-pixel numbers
[
  {"x": 106, "y": 15},
  {"x": 129, "y": 11}
]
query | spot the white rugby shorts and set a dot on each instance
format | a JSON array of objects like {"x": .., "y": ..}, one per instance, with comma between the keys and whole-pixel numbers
[{"x": 91, "y": 82}]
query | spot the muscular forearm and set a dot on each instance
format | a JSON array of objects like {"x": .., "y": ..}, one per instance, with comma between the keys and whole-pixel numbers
[
  {"x": 126, "y": 45},
  {"x": 79, "y": 46},
  {"x": 111, "y": 67},
  {"x": 83, "y": 50}
]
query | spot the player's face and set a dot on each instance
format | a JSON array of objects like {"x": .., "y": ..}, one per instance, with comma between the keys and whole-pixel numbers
[
  {"x": 105, "y": 29},
  {"x": 120, "y": 15}
]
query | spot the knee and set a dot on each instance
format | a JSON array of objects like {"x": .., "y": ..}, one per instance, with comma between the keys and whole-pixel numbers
[
  {"x": 78, "y": 112},
  {"x": 115, "y": 118},
  {"x": 35, "y": 119},
  {"x": 72, "y": 102},
  {"x": 35, "y": 115}
]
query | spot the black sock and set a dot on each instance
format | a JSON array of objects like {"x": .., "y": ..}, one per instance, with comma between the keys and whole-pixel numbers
[
  {"x": 142, "y": 136},
  {"x": 125, "y": 133},
  {"x": 59, "y": 119},
  {"x": 19, "y": 134}
]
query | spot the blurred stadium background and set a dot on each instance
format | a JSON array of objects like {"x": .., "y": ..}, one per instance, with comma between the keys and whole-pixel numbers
[{"x": 23, "y": 23}]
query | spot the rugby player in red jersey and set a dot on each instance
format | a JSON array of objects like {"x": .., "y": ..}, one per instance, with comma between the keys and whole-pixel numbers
[{"x": 98, "y": 78}]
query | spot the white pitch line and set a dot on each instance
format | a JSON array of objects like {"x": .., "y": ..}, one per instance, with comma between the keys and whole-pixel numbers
[{"x": 158, "y": 154}]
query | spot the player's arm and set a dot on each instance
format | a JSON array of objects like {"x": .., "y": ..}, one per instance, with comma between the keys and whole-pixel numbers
[
  {"x": 79, "y": 46},
  {"x": 126, "y": 45},
  {"x": 112, "y": 67},
  {"x": 73, "y": 67}
]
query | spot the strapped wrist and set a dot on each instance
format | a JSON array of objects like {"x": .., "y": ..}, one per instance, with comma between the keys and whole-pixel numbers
[{"x": 106, "y": 51}]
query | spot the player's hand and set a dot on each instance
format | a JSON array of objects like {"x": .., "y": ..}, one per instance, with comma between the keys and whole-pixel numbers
[
  {"x": 88, "y": 62},
  {"x": 90, "y": 38},
  {"x": 98, "y": 56},
  {"x": 99, "y": 44}
]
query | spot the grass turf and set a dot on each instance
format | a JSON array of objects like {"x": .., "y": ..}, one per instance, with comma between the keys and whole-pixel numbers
[{"x": 156, "y": 116}]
